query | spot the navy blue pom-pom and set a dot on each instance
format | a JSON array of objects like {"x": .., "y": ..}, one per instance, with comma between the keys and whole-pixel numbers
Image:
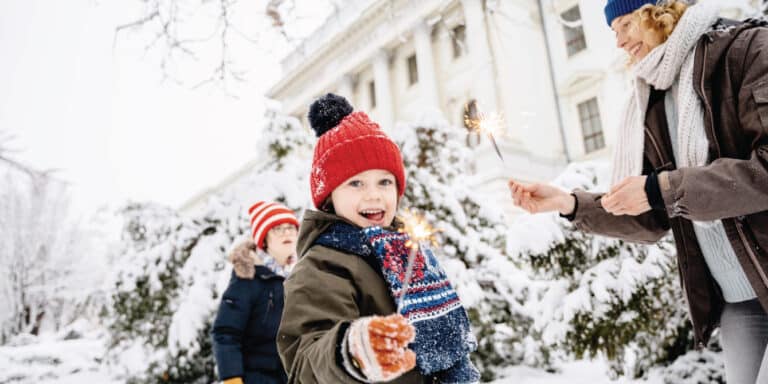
[{"x": 327, "y": 111}]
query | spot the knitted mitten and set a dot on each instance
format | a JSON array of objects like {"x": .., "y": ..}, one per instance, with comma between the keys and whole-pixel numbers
[{"x": 378, "y": 347}]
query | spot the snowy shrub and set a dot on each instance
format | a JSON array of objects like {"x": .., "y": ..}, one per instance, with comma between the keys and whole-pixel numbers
[
  {"x": 283, "y": 136},
  {"x": 165, "y": 293},
  {"x": 605, "y": 297},
  {"x": 695, "y": 367},
  {"x": 186, "y": 366}
]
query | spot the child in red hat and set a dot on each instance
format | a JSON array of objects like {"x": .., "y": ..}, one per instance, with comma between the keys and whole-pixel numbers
[{"x": 340, "y": 323}]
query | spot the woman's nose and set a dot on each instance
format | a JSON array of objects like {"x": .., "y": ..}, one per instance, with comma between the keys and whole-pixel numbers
[{"x": 621, "y": 40}]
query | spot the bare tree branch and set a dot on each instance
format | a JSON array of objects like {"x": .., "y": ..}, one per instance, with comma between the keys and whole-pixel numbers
[
  {"x": 47, "y": 174},
  {"x": 167, "y": 25}
]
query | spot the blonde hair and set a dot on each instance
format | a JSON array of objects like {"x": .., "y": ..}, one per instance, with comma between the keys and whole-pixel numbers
[{"x": 658, "y": 21}]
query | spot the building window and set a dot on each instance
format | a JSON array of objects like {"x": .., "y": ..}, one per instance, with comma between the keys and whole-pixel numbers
[
  {"x": 574, "y": 32},
  {"x": 413, "y": 70},
  {"x": 468, "y": 116},
  {"x": 459, "y": 39},
  {"x": 372, "y": 93},
  {"x": 592, "y": 129}
]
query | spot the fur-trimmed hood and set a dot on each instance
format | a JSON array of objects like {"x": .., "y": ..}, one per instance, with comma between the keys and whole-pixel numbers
[{"x": 244, "y": 258}]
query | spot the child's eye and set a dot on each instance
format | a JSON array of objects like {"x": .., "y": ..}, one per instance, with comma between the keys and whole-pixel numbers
[
  {"x": 355, "y": 183},
  {"x": 386, "y": 182}
]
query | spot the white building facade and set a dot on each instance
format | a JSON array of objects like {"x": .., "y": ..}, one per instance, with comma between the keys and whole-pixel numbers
[{"x": 549, "y": 67}]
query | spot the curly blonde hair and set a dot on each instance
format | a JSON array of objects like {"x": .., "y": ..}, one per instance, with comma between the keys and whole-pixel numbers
[{"x": 658, "y": 21}]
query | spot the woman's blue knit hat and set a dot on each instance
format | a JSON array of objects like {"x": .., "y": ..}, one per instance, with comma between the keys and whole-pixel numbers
[{"x": 618, "y": 8}]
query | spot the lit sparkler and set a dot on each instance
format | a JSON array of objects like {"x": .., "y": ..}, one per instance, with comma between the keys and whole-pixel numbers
[
  {"x": 419, "y": 231},
  {"x": 488, "y": 124}
]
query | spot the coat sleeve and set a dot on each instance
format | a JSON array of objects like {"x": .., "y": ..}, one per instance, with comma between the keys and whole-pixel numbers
[
  {"x": 730, "y": 187},
  {"x": 320, "y": 302},
  {"x": 590, "y": 217},
  {"x": 229, "y": 327}
]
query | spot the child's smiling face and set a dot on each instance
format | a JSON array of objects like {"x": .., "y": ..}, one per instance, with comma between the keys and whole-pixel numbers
[{"x": 367, "y": 199}]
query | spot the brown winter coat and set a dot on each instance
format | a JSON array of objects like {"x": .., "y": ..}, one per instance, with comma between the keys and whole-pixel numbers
[
  {"x": 731, "y": 78},
  {"x": 326, "y": 291}
]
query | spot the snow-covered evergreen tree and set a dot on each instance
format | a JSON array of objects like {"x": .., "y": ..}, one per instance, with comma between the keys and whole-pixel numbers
[
  {"x": 604, "y": 297},
  {"x": 165, "y": 292}
]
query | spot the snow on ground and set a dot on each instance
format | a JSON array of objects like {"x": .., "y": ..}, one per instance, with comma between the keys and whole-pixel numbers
[
  {"x": 579, "y": 372},
  {"x": 53, "y": 358}
]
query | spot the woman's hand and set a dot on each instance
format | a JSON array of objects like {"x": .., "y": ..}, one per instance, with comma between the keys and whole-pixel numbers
[
  {"x": 538, "y": 198},
  {"x": 628, "y": 197}
]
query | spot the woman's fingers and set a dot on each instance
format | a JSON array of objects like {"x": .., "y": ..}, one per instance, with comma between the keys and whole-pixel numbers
[
  {"x": 518, "y": 195},
  {"x": 616, "y": 187}
]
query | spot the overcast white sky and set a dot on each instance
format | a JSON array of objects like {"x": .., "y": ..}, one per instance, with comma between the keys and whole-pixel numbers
[{"x": 103, "y": 116}]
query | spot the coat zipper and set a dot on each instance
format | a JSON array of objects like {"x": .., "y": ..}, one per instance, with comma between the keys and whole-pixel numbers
[
  {"x": 269, "y": 307},
  {"x": 656, "y": 146},
  {"x": 708, "y": 107},
  {"x": 750, "y": 251}
]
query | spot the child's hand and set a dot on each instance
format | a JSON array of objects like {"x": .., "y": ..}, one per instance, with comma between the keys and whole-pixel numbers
[{"x": 379, "y": 346}]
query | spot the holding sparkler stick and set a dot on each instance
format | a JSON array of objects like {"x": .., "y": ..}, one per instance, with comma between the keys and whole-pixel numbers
[
  {"x": 419, "y": 230},
  {"x": 408, "y": 275}
]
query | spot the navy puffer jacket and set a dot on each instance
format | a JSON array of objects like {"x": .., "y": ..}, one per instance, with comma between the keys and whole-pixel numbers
[{"x": 246, "y": 324}]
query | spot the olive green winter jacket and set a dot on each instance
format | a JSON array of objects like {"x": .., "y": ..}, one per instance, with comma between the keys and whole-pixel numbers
[{"x": 326, "y": 291}]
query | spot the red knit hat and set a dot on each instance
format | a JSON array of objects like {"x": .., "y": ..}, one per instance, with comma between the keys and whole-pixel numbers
[
  {"x": 349, "y": 143},
  {"x": 265, "y": 216}
]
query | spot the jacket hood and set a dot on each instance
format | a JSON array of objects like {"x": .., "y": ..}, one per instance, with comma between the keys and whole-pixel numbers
[{"x": 244, "y": 258}]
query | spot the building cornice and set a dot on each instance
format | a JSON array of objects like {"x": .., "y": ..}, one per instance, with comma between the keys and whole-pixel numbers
[{"x": 351, "y": 49}]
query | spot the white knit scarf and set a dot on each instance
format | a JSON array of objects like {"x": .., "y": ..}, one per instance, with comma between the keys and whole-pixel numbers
[{"x": 667, "y": 67}]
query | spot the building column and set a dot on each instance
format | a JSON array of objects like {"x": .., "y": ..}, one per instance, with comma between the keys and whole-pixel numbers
[
  {"x": 347, "y": 88},
  {"x": 383, "y": 91},
  {"x": 484, "y": 87},
  {"x": 425, "y": 63}
]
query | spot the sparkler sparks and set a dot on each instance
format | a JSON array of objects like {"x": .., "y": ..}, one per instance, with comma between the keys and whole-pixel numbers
[
  {"x": 420, "y": 231},
  {"x": 487, "y": 124}
]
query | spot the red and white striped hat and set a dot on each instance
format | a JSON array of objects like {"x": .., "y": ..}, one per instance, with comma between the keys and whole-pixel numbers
[{"x": 265, "y": 216}]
